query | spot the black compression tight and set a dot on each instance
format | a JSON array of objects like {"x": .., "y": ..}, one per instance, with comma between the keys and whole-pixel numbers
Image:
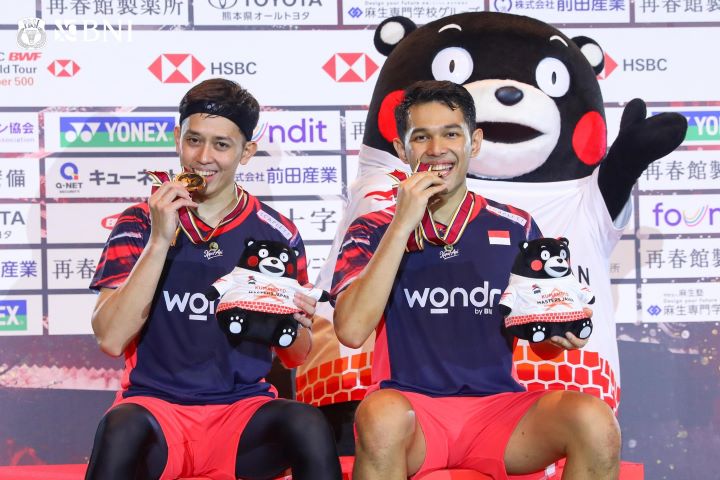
[
  {"x": 129, "y": 444},
  {"x": 282, "y": 434}
]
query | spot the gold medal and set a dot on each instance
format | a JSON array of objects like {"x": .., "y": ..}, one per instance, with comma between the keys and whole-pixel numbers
[{"x": 192, "y": 181}]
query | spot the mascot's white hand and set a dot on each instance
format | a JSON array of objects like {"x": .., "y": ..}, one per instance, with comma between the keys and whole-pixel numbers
[{"x": 571, "y": 342}]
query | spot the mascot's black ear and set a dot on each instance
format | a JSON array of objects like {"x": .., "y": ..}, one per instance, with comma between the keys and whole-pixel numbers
[
  {"x": 391, "y": 32},
  {"x": 249, "y": 242},
  {"x": 564, "y": 241},
  {"x": 523, "y": 246},
  {"x": 592, "y": 51}
]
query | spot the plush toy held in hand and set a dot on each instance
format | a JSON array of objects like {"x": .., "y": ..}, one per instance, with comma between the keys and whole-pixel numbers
[
  {"x": 256, "y": 298},
  {"x": 543, "y": 298}
]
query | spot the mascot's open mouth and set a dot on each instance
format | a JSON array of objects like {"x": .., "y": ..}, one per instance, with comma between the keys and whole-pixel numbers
[
  {"x": 504, "y": 132},
  {"x": 272, "y": 270}
]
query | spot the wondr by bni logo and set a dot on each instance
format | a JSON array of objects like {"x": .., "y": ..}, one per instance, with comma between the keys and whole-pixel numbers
[{"x": 32, "y": 35}]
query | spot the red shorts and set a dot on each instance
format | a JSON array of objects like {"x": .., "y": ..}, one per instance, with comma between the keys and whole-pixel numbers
[
  {"x": 201, "y": 439},
  {"x": 469, "y": 432}
]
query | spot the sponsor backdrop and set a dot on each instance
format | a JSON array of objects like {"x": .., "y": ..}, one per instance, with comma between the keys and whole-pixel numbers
[{"x": 84, "y": 116}]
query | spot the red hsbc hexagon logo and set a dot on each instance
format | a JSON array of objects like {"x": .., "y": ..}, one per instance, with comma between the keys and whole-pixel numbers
[
  {"x": 176, "y": 68},
  {"x": 63, "y": 68},
  {"x": 350, "y": 67},
  {"x": 610, "y": 65}
]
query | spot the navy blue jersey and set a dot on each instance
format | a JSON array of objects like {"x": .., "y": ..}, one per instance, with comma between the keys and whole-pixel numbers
[
  {"x": 442, "y": 332},
  {"x": 181, "y": 354}
]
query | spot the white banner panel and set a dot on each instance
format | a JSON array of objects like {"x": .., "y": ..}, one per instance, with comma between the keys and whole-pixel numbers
[
  {"x": 680, "y": 258},
  {"x": 103, "y": 177},
  {"x": 20, "y": 269},
  {"x": 354, "y": 129},
  {"x": 372, "y": 12},
  {"x": 622, "y": 261},
  {"x": 671, "y": 214},
  {"x": 65, "y": 14},
  {"x": 625, "y": 301},
  {"x": 70, "y": 314},
  {"x": 293, "y": 68},
  {"x": 19, "y": 223},
  {"x": 683, "y": 170},
  {"x": 19, "y": 178},
  {"x": 316, "y": 220},
  {"x": 275, "y": 13},
  {"x": 292, "y": 175},
  {"x": 316, "y": 256},
  {"x": 567, "y": 11},
  {"x": 76, "y": 223},
  {"x": 680, "y": 302},
  {"x": 71, "y": 268},
  {"x": 19, "y": 132},
  {"x": 298, "y": 130}
]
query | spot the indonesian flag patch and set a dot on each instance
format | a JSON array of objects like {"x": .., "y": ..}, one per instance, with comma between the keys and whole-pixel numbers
[{"x": 499, "y": 237}]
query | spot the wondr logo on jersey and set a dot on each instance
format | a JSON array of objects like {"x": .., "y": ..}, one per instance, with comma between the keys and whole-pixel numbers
[{"x": 482, "y": 298}]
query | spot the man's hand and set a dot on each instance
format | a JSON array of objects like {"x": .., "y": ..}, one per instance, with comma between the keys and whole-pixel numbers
[
  {"x": 571, "y": 342},
  {"x": 414, "y": 194},
  {"x": 307, "y": 304},
  {"x": 164, "y": 204}
]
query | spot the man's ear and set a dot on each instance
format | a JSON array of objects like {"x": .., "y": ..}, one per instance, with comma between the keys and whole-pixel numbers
[
  {"x": 176, "y": 134},
  {"x": 476, "y": 137},
  {"x": 400, "y": 149},
  {"x": 249, "y": 150}
]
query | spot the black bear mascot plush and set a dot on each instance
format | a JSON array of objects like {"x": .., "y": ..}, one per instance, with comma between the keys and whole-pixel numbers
[
  {"x": 256, "y": 298},
  {"x": 543, "y": 298}
]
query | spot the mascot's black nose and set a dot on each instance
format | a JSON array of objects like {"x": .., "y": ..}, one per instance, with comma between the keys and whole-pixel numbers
[{"x": 508, "y": 95}]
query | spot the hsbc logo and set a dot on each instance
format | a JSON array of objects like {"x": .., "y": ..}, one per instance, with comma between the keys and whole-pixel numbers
[
  {"x": 610, "y": 66},
  {"x": 63, "y": 68},
  {"x": 176, "y": 68},
  {"x": 440, "y": 299},
  {"x": 350, "y": 67}
]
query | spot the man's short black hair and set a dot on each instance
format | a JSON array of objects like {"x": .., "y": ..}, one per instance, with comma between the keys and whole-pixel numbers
[
  {"x": 224, "y": 98},
  {"x": 426, "y": 91}
]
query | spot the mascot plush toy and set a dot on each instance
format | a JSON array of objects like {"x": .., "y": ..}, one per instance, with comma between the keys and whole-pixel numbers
[
  {"x": 543, "y": 298},
  {"x": 544, "y": 150},
  {"x": 256, "y": 298}
]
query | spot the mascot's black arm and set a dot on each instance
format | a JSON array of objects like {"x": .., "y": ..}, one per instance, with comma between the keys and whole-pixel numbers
[{"x": 640, "y": 142}]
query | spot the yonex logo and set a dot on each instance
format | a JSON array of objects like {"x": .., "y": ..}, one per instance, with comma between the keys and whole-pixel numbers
[
  {"x": 440, "y": 299},
  {"x": 93, "y": 132},
  {"x": 13, "y": 315}
]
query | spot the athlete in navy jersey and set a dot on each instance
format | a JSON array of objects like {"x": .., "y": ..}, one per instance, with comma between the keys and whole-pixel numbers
[
  {"x": 178, "y": 364},
  {"x": 443, "y": 304},
  {"x": 427, "y": 275},
  {"x": 192, "y": 404}
]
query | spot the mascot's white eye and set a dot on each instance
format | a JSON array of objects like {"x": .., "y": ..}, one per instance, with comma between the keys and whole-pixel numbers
[
  {"x": 563, "y": 254},
  {"x": 263, "y": 252},
  {"x": 284, "y": 257},
  {"x": 453, "y": 63},
  {"x": 545, "y": 255},
  {"x": 552, "y": 77}
]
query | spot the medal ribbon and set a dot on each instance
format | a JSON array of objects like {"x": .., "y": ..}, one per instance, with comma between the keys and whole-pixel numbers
[
  {"x": 427, "y": 230},
  {"x": 188, "y": 219}
]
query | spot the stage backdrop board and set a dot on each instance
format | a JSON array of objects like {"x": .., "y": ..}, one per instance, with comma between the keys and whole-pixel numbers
[{"x": 84, "y": 116}]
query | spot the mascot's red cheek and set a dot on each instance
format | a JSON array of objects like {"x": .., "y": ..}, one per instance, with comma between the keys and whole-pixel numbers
[
  {"x": 386, "y": 117},
  {"x": 289, "y": 269},
  {"x": 252, "y": 261},
  {"x": 536, "y": 265},
  {"x": 590, "y": 138}
]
